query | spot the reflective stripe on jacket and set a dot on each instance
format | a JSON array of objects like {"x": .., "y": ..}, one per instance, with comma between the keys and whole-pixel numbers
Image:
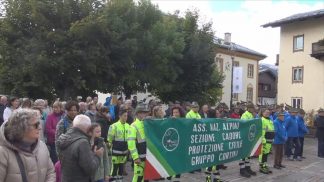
[
  {"x": 117, "y": 137},
  {"x": 136, "y": 140}
]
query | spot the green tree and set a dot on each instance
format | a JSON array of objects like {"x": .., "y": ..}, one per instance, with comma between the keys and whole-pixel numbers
[
  {"x": 198, "y": 79},
  {"x": 38, "y": 52}
]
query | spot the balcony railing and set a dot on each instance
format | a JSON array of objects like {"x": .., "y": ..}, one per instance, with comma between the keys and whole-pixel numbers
[{"x": 318, "y": 50}]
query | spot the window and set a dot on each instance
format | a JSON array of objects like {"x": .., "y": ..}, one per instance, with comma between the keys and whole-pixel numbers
[
  {"x": 298, "y": 43},
  {"x": 236, "y": 64},
  {"x": 250, "y": 72},
  {"x": 235, "y": 96},
  {"x": 297, "y": 74},
  {"x": 266, "y": 87},
  {"x": 297, "y": 102},
  {"x": 249, "y": 94},
  {"x": 220, "y": 64}
]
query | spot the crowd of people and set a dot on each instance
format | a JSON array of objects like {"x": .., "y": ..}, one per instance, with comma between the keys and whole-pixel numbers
[{"x": 89, "y": 141}]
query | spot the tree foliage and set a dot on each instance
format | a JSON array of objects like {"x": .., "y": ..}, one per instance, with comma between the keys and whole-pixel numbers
[{"x": 66, "y": 48}]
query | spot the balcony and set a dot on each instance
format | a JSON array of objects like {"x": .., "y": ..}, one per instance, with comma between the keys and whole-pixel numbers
[{"x": 318, "y": 50}]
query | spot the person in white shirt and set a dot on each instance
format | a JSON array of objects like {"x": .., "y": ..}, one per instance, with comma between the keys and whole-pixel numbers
[{"x": 12, "y": 105}]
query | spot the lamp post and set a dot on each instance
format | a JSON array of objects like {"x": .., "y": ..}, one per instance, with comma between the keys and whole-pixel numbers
[{"x": 232, "y": 72}]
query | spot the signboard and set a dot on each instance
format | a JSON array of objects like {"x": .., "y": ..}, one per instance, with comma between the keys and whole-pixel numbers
[{"x": 176, "y": 146}]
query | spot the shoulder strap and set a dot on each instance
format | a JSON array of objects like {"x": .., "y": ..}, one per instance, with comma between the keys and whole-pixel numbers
[{"x": 21, "y": 167}]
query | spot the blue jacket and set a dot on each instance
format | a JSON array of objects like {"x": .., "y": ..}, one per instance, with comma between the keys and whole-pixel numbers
[
  {"x": 291, "y": 125},
  {"x": 280, "y": 132},
  {"x": 302, "y": 128}
]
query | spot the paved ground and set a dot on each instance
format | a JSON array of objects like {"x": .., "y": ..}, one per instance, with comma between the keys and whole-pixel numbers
[{"x": 310, "y": 169}]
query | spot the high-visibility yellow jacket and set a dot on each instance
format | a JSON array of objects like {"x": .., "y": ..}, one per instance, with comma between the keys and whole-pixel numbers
[
  {"x": 193, "y": 115},
  {"x": 136, "y": 140},
  {"x": 267, "y": 130},
  {"x": 247, "y": 115},
  {"x": 117, "y": 138}
]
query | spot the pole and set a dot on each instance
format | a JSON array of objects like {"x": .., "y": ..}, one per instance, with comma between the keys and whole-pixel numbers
[{"x": 231, "y": 100}]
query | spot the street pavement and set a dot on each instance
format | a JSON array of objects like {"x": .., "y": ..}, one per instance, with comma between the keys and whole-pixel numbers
[{"x": 310, "y": 169}]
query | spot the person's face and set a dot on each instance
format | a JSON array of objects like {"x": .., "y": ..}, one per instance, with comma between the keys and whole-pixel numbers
[
  {"x": 293, "y": 113},
  {"x": 195, "y": 109},
  {"x": 97, "y": 132},
  {"x": 123, "y": 117},
  {"x": 321, "y": 113},
  {"x": 221, "y": 109},
  {"x": 93, "y": 108},
  {"x": 301, "y": 115},
  {"x": 46, "y": 103},
  {"x": 161, "y": 113},
  {"x": 266, "y": 113},
  {"x": 236, "y": 110},
  {"x": 33, "y": 131},
  {"x": 83, "y": 107},
  {"x": 281, "y": 117},
  {"x": 95, "y": 99},
  {"x": 176, "y": 113},
  {"x": 142, "y": 115},
  {"x": 4, "y": 100},
  {"x": 218, "y": 114},
  {"x": 57, "y": 109},
  {"x": 205, "y": 108},
  {"x": 251, "y": 110},
  {"x": 15, "y": 103},
  {"x": 72, "y": 112}
]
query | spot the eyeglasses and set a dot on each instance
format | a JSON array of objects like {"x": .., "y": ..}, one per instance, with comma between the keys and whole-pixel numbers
[{"x": 35, "y": 125}]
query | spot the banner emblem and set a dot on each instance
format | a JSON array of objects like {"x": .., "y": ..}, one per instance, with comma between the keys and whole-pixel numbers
[{"x": 170, "y": 139}]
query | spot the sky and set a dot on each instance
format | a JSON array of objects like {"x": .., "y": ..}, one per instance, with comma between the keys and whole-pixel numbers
[{"x": 243, "y": 19}]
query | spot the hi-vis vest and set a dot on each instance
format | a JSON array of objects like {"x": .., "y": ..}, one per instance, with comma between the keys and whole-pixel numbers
[
  {"x": 268, "y": 132},
  {"x": 117, "y": 137},
  {"x": 136, "y": 140}
]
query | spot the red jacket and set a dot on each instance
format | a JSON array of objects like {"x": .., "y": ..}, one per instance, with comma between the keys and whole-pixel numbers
[{"x": 235, "y": 116}]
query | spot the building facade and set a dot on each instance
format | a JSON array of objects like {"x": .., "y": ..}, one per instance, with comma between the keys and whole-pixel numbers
[
  {"x": 301, "y": 60},
  {"x": 267, "y": 94},
  {"x": 228, "y": 55}
]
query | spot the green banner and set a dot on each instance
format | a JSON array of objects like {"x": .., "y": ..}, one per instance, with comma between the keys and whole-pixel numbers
[{"x": 175, "y": 146}]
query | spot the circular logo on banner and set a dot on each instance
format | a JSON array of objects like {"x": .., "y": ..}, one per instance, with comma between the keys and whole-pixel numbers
[
  {"x": 252, "y": 132},
  {"x": 170, "y": 139}
]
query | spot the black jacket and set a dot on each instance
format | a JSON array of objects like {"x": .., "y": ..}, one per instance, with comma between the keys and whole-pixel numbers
[
  {"x": 319, "y": 124},
  {"x": 104, "y": 123},
  {"x": 79, "y": 162}
]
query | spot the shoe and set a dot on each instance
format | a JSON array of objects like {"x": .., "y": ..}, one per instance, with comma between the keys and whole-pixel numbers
[
  {"x": 291, "y": 158},
  {"x": 276, "y": 167},
  {"x": 222, "y": 166},
  {"x": 249, "y": 170},
  {"x": 303, "y": 157},
  {"x": 217, "y": 180},
  {"x": 282, "y": 166},
  {"x": 208, "y": 179},
  {"x": 264, "y": 170},
  {"x": 244, "y": 173},
  {"x": 299, "y": 158}
]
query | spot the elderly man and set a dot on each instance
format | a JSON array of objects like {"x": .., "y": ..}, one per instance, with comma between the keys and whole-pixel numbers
[{"x": 79, "y": 161}]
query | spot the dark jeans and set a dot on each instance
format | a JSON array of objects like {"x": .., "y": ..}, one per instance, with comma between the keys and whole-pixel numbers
[
  {"x": 301, "y": 140},
  {"x": 293, "y": 143},
  {"x": 320, "y": 150},
  {"x": 52, "y": 151}
]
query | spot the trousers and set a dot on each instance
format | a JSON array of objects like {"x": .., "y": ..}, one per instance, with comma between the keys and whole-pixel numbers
[{"x": 139, "y": 172}]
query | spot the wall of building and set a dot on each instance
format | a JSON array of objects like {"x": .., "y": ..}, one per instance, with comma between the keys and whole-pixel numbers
[
  {"x": 267, "y": 78},
  {"x": 312, "y": 88},
  {"x": 243, "y": 62}
]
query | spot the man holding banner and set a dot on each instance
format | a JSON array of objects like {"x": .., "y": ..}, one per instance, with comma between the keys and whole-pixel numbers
[
  {"x": 245, "y": 168},
  {"x": 137, "y": 143}
]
